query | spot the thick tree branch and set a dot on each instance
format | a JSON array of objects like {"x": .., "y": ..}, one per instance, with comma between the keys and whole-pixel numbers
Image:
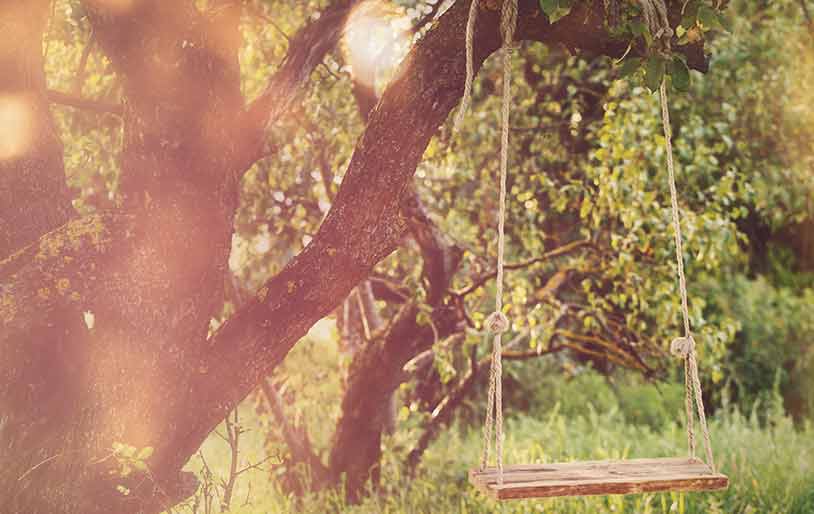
[
  {"x": 365, "y": 223},
  {"x": 306, "y": 50}
]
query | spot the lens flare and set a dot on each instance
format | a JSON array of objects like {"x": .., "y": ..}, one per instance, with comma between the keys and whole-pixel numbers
[
  {"x": 16, "y": 125},
  {"x": 376, "y": 38}
]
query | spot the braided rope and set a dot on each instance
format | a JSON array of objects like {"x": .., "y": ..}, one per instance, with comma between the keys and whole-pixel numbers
[
  {"x": 683, "y": 346},
  {"x": 497, "y": 323},
  {"x": 490, "y": 409},
  {"x": 470, "y": 65}
]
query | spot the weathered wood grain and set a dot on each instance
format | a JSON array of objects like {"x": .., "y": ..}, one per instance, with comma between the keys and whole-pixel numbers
[{"x": 598, "y": 478}]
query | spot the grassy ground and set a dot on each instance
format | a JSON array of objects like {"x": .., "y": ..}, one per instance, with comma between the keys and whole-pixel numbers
[{"x": 770, "y": 465}]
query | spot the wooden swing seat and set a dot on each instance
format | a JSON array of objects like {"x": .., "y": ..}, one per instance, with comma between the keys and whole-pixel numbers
[{"x": 598, "y": 478}]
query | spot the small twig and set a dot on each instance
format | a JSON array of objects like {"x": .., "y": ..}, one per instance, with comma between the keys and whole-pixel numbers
[
  {"x": 248, "y": 494},
  {"x": 557, "y": 252},
  {"x": 31, "y": 470},
  {"x": 233, "y": 432},
  {"x": 255, "y": 11},
  {"x": 77, "y": 102},
  {"x": 330, "y": 72},
  {"x": 79, "y": 80},
  {"x": 250, "y": 467}
]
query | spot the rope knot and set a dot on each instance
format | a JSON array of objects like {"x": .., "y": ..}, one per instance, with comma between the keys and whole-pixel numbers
[
  {"x": 682, "y": 346},
  {"x": 665, "y": 33},
  {"x": 497, "y": 323}
]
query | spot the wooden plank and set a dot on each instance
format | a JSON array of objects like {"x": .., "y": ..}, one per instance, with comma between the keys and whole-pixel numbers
[
  {"x": 595, "y": 470},
  {"x": 598, "y": 478}
]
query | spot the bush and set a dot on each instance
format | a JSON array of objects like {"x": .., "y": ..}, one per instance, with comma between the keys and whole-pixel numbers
[
  {"x": 638, "y": 402},
  {"x": 773, "y": 343},
  {"x": 651, "y": 404}
]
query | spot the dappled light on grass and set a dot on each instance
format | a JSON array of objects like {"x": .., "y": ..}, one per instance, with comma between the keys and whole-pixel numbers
[
  {"x": 376, "y": 39},
  {"x": 16, "y": 125}
]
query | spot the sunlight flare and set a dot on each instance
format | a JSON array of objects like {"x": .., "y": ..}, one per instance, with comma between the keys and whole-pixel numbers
[
  {"x": 16, "y": 125},
  {"x": 376, "y": 39}
]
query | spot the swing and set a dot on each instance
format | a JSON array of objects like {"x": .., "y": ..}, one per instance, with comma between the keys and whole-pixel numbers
[{"x": 588, "y": 477}]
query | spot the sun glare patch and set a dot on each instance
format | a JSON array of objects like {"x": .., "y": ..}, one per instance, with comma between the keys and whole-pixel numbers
[
  {"x": 376, "y": 38},
  {"x": 16, "y": 125}
]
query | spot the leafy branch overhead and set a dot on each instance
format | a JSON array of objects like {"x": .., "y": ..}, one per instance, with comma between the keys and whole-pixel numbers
[{"x": 698, "y": 20}]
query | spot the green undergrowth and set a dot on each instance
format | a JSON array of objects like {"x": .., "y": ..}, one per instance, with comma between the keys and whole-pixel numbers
[{"x": 769, "y": 460}]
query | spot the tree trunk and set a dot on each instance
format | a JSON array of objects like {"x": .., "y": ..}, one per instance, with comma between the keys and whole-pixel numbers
[
  {"x": 161, "y": 262},
  {"x": 150, "y": 275},
  {"x": 376, "y": 370},
  {"x": 30, "y": 150}
]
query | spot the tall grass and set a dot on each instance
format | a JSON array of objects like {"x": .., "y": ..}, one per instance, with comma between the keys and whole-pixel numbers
[{"x": 770, "y": 465}]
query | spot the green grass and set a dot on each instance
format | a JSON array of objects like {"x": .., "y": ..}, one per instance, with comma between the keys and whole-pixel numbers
[{"x": 771, "y": 468}]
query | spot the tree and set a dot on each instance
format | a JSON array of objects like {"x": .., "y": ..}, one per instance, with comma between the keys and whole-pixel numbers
[{"x": 101, "y": 416}]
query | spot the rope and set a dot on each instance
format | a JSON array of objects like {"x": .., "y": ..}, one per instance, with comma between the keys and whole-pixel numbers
[
  {"x": 496, "y": 323},
  {"x": 470, "y": 65},
  {"x": 655, "y": 13}
]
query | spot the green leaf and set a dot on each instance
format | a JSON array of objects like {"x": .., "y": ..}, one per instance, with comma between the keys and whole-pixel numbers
[
  {"x": 724, "y": 21},
  {"x": 145, "y": 453},
  {"x": 630, "y": 65},
  {"x": 690, "y": 11},
  {"x": 688, "y": 20},
  {"x": 638, "y": 28},
  {"x": 680, "y": 74},
  {"x": 708, "y": 17},
  {"x": 654, "y": 72},
  {"x": 549, "y": 7},
  {"x": 585, "y": 209}
]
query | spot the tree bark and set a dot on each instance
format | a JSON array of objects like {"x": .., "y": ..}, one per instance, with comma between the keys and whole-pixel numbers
[
  {"x": 34, "y": 197},
  {"x": 150, "y": 275},
  {"x": 375, "y": 371}
]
